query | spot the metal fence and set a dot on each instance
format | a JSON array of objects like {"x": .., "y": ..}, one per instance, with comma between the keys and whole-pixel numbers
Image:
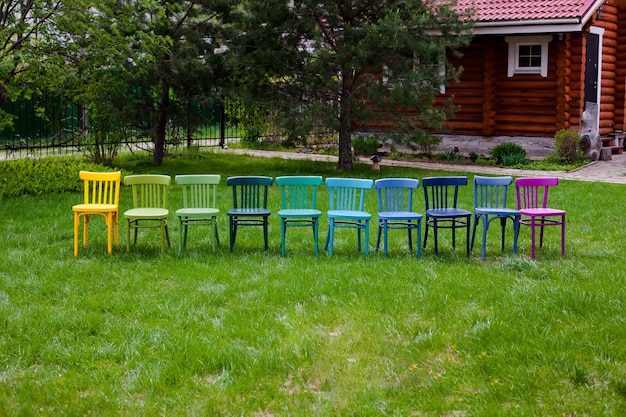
[{"x": 46, "y": 126}]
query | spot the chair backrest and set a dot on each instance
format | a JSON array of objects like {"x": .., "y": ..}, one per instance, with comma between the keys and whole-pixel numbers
[
  {"x": 149, "y": 190},
  {"x": 348, "y": 193},
  {"x": 249, "y": 191},
  {"x": 395, "y": 194},
  {"x": 491, "y": 192},
  {"x": 101, "y": 187},
  {"x": 442, "y": 192},
  {"x": 299, "y": 192},
  {"x": 533, "y": 192},
  {"x": 199, "y": 191}
]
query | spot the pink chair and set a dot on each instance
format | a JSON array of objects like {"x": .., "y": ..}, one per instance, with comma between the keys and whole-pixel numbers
[{"x": 532, "y": 200}]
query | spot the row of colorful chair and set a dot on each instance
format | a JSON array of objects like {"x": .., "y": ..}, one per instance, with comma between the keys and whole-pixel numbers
[{"x": 299, "y": 207}]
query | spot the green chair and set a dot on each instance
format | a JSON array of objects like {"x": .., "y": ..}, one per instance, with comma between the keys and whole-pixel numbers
[
  {"x": 149, "y": 206},
  {"x": 298, "y": 206},
  {"x": 199, "y": 206},
  {"x": 249, "y": 205}
]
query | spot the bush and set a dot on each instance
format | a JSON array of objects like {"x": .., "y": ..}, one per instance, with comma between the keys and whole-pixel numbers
[
  {"x": 365, "y": 146},
  {"x": 567, "y": 145},
  {"x": 505, "y": 151},
  {"x": 43, "y": 176}
]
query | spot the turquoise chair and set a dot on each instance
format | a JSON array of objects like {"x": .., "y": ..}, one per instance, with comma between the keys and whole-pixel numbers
[
  {"x": 441, "y": 197},
  {"x": 149, "y": 206},
  {"x": 347, "y": 201},
  {"x": 490, "y": 195},
  {"x": 395, "y": 210},
  {"x": 199, "y": 206},
  {"x": 249, "y": 205},
  {"x": 298, "y": 206}
]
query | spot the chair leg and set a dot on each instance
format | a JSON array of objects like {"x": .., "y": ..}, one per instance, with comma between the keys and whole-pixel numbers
[
  {"x": 532, "y": 237},
  {"x": 378, "y": 236},
  {"x": 358, "y": 237},
  {"x": 516, "y": 220},
  {"x": 476, "y": 221},
  {"x": 435, "y": 235},
  {"x": 315, "y": 235},
  {"x": 265, "y": 226},
  {"x": 453, "y": 234},
  {"x": 419, "y": 239},
  {"x": 329, "y": 238},
  {"x": 283, "y": 232},
  {"x": 232, "y": 228},
  {"x": 503, "y": 224},
  {"x": 85, "y": 229},
  {"x": 386, "y": 235},
  {"x": 367, "y": 238},
  {"x": 109, "y": 221},
  {"x": 181, "y": 245},
  {"x": 127, "y": 235},
  {"x": 76, "y": 227},
  {"x": 467, "y": 236},
  {"x": 484, "y": 245},
  {"x": 426, "y": 233},
  {"x": 543, "y": 219},
  {"x": 563, "y": 235},
  {"x": 409, "y": 230},
  {"x": 213, "y": 233}
]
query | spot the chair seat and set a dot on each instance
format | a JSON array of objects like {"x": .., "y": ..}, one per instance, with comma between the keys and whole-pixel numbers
[
  {"x": 146, "y": 213},
  {"x": 448, "y": 212},
  {"x": 399, "y": 215},
  {"x": 349, "y": 214},
  {"x": 94, "y": 207},
  {"x": 197, "y": 212},
  {"x": 295, "y": 213},
  {"x": 248, "y": 212},
  {"x": 495, "y": 211},
  {"x": 542, "y": 212}
]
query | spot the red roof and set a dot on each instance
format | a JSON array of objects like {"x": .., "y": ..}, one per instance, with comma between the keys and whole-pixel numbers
[{"x": 528, "y": 10}]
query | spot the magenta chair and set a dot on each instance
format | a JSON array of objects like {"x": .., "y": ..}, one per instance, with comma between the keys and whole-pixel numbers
[{"x": 532, "y": 202}]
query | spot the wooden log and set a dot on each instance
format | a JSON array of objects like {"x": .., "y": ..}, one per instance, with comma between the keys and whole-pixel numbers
[{"x": 606, "y": 154}]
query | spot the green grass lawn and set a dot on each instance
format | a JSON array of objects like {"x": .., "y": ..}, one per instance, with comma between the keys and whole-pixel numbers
[{"x": 254, "y": 334}]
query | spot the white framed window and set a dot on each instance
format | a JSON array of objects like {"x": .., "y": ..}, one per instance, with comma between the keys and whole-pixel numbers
[{"x": 528, "y": 54}]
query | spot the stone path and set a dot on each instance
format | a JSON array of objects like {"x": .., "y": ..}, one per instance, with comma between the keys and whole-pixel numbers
[{"x": 613, "y": 171}]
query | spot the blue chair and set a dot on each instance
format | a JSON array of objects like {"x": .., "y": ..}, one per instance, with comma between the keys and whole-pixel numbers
[
  {"x": 490, "y": 204},
  {"x": 298, "y": 206},
  {"x": 199, "y": 206},
  {"x": 441, "y": 195},
  {"x": 347, "y": 201},
  {"x": 395, "y": 205},
  {"x": 249, "y": 205}
]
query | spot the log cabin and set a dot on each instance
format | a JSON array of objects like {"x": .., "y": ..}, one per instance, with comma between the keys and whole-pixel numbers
[{"x": 534, "y": 67}]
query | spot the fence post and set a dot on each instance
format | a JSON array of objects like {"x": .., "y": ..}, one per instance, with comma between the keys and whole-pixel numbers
[{"x": 222, "y": 124}]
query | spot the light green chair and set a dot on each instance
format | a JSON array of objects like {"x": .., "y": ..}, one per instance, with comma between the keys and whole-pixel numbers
[
  {"x": 298, "y": 208},
  {"x": 199, "y": 206},
  {"x": 149, "y": 206}
]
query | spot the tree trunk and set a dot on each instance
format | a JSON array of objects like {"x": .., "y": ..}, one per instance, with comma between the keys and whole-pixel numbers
[
  {"x": 164, "y": 107},
  {"x": 345, "y": 121}
]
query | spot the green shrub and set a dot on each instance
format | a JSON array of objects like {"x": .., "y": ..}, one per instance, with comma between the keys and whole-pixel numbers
[
  {"x": 567, "y": 145},
  {"x": 365, "y": 145},
  {"x": 509, "y": 160},
  {"x": 43, "y": 176},
  {"x": 506, "y": 150}
]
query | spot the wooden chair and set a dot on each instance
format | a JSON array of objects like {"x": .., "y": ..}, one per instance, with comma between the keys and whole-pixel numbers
[
  {"x": 101, "y": 197},
  {"x": 149, "y": 206},
  {"x": 199, "y": 206},
  {"x": 249, "y": 205},
  {"x": 441, "y": 196},
  {"x": 490, "y": 194},
  {"x": 347, "y": 201},
  {"x": 395, "y": 210},
  {"x": 298, "y": 206},
  {"x": 532, "y": 202}
]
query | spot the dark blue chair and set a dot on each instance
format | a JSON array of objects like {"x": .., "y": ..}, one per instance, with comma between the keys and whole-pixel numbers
[
  {"x": 249, "y": 205},
  {"x": 441, "y": 195}
]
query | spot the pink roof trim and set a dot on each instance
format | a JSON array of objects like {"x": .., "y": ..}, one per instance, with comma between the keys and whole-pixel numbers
[{"x": 526, "y": 10}]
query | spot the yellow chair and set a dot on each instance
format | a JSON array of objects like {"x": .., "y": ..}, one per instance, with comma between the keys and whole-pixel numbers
[
  {"x": 149, "y": 206},
  {"x": 102, "y": 195}
]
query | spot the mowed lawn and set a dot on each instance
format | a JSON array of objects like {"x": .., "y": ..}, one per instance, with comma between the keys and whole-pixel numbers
[{"x": 251, "y": 333}]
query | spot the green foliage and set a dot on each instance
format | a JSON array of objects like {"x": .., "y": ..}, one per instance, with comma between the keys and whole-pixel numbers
[
  {"x": 42, "y": 176},
  {"x": 567, "y": 145},
  {"x": 253, "y": 120},
  {"x": 365, "y": 145},
  {"x": 508, "y": 154}
]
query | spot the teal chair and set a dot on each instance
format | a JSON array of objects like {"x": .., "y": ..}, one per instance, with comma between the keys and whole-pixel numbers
[
  {"x": 490, "y": 195},
  {"x": 441, "y": 197},
  {"x": 298, "y": 206},
  {"x": 395, "y": 210},
  {"x": 199, "y": 206},
  {"x": 249, "y": 205},
  {"x": 149, "y": 206},
  {"x": 347, "y": 201}
]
